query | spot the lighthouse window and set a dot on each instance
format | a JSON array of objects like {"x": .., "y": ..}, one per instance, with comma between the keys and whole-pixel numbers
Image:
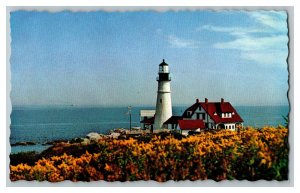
[{"x": 160, "y": 100}]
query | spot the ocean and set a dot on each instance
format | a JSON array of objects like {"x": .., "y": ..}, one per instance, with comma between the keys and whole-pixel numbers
[{"x": 47, "y": 123}]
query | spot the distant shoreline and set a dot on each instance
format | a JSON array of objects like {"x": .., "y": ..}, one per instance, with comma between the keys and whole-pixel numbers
[{"x": 134, "y": 106}]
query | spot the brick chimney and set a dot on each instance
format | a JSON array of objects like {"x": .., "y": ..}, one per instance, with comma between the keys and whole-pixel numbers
[
  {"x": 222, "y": 100},
  {"x": 197, "y": 101},
  {"x": 206, "y": 100}
]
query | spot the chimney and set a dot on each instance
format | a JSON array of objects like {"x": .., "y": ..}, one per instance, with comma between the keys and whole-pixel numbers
[
  {"x": 197, "y": 100},
  {"x": 222, "y": 100},
  {"x": 206, "y": 100}
]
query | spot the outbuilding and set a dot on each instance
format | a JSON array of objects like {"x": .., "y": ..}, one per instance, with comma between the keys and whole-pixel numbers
[{"x": 187, "y": 126}]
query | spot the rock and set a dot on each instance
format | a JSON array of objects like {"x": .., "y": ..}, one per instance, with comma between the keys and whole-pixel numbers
[
  {"x": 114, "y": 135},
  {"x": 85, "y": 141},
  {"x": 103, "y": 136},
  {"x": 122, "y": 137},
  {"x": 23, "y": 143},
  {"x": 94, "y": 137},
  {"x": 76, "y": 140},
  {"x": 48, "y": 143},
  {"x": 122, "y": 131},
  {"x": 56, "y": 142}
]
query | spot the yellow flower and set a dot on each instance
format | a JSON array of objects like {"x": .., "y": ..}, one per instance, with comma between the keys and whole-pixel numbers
[
  {"x": 107, "y": 167},
  {"x": 263, "y": 161}
]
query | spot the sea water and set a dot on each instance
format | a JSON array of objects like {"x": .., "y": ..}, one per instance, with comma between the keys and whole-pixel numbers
[{"x": 41, "y": 124}]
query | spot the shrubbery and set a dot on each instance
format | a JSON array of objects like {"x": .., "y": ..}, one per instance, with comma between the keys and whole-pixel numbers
[{"x": 248, "y": 154}]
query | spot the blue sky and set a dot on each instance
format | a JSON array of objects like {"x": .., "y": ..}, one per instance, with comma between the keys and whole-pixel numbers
[{"x": 112, "y": 58}]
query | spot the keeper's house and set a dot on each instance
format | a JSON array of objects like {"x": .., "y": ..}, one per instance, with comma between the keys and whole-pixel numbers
[
  {"x": 206, "y": 116},
  {"x": 147, "y": 119}
]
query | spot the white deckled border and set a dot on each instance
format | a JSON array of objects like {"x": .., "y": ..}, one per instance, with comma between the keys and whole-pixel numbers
[{"x": 88, "y": 3}]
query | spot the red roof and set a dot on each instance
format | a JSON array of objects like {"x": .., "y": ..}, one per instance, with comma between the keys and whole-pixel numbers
[
  {"x": 215, "y": 110},
  {"x": 192, "y": 109},
  {"x": 191, "y": 124}
]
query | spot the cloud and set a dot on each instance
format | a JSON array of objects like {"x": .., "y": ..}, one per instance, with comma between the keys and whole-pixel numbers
[
  {"x": 266, "y": 57},
  {"x": 176, "y": 42},
  {"x": 265, "y": 42},
  {"x": 273, "y": 19},
  {"x": 235, "y": 31},
  {"x": 249, "y": 43},
  {"x": 267, "y": 22}
]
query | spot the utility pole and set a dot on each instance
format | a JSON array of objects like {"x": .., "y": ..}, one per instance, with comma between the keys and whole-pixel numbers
[{"x": 129, "y": 112}]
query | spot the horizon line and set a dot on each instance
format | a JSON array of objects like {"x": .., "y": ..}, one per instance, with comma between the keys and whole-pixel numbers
[{"x": 138, "y": 105}]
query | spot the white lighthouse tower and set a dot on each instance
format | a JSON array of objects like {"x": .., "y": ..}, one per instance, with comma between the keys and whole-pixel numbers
[{"x": 163, "y": 103}]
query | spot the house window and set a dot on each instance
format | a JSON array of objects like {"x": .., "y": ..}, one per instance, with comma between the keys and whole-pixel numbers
[
  {"x": 203, "y": 116},
  {"x": 199, "y": 108},
  {"x": 160, "y": 100},
  {"x": 198, "y": 115}
]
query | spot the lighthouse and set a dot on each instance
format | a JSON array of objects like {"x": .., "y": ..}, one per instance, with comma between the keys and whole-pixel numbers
[{"x": 163, "y": 103}]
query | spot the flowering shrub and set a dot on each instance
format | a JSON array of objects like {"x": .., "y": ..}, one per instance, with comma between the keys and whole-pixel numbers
[{"x": 247, "y": 154}]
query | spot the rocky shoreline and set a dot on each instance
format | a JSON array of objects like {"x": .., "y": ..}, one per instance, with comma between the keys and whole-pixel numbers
[
  {"x": 119, "y": 133},
  {"x": 79, "y": 146},
  {"x": 91, "y": 137}
]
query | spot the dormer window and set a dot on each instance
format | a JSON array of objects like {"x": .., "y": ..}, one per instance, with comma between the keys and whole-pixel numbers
[
  {"x": 226, "y": 115},
  {"x": 215, "y": 113}
]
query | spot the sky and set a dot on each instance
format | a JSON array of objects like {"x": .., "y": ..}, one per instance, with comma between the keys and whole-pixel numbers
[{"x": 111, "y": 58}]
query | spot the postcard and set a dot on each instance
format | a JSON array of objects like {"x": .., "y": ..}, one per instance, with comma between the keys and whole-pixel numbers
[{"x": 145, "y": 95}]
